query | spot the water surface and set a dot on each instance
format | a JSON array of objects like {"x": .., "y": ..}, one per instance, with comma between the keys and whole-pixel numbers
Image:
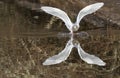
[{"x": 25, "y": 45}]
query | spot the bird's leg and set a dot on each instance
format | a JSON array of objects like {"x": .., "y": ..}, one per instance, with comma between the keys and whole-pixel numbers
[{"x": 71, "y": 33}]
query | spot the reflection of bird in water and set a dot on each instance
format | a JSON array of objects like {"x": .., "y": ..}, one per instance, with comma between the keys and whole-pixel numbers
[
  {"x": 64, "y": 17},
  {"x": 63, "y": 55}
]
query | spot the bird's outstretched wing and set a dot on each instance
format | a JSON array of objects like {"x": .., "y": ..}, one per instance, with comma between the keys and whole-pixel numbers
[
  {"x": 88, "y": 10},
  {"x": 62, "y": 56},
  {"x": 58, "y": 13},
  {"x": 90, "y": 59}
]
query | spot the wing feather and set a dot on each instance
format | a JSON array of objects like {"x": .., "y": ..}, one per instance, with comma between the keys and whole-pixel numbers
[
  {"x": 58, "y": 13},
  {"x": 88, "y": 10}
]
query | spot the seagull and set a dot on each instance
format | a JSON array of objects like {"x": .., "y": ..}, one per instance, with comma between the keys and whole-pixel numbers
[
  {"x": 72, "y": 27},
  {"x": 63, "y": 55}
]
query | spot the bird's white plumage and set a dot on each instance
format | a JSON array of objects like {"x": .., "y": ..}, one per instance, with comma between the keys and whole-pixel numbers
[
  {"x": 90, "y": 59},
  {"x": 64, "y": 17},
  {"x": 62, "y": 56},
  {"x": 88, "y": 10},
  {"x": 58, "y": 13}
]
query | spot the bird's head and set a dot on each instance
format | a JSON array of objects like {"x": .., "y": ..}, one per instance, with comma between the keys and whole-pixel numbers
[
  {"x": 75, "y": 27},
  {"x": 75, "y": 43}
]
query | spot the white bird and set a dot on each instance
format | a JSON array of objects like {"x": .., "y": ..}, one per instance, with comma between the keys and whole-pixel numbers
[
  {"x": 63, "y": 55},
  {"x": 64, "y": 17}
]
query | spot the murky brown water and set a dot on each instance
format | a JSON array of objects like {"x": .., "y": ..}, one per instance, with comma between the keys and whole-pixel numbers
[{"x": 25, "y": 45}]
